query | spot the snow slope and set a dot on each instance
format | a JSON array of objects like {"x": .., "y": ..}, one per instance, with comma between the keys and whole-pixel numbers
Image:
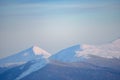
[
  {"x": 24, "y": 56},
  {"x": 110, "y": 50},
  {"x": 37, "y": 65},
  {"x": 68, "y": 54},
  {"x": 83, "y": 52}
]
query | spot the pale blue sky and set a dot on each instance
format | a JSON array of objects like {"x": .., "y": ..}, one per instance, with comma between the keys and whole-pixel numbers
[{"x": 56, "y": 24}]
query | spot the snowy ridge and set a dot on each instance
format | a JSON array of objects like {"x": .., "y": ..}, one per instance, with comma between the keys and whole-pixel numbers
[
  {"x": 39, "y": 61},
  {"x": 67, "y": 55},
  {"x": 111, "y": 50},
  {"x": 24, "y": 56},
  {"x": 83, "y": 52},
  {"x": 34, "y": 67},
  {"x": 39, "y": 51}
]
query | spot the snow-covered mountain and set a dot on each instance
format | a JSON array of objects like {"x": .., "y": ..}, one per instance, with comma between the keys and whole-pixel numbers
[
  {"x": 34, "y": 56},
  {"x": 24, "y": 56},
  {"x": 68, "y": 54},
  {"x": 79, "y": 62},
  {"x": 36, "y": 65},
  {"x": 110, "y": 50},
  {"x": 83, "y": 52},
  {"x": 107, "y": 55}
]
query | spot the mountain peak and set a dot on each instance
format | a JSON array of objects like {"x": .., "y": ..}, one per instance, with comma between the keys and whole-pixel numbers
[{"x": 39, "y": 51}]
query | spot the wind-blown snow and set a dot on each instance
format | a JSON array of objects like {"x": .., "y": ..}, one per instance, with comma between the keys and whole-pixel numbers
[
  {"x": 111, "y": 50},
  {"x": 39, "y": 51}
]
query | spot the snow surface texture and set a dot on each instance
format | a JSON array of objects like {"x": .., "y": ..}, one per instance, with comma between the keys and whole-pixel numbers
[
  {"x": 111, "y": 50},
  {"x": 39, "y": 51},
  {"x": 83, "y": 52},
  {"x": 68, "y": 54},
  {"x": 24, "y": 56},
  {"x": 39, "y": 62},
  {"x": 34, "y": 67}
]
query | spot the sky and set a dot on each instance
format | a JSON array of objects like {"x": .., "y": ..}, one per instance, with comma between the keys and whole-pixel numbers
[{"x": 56, "y": 24}]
